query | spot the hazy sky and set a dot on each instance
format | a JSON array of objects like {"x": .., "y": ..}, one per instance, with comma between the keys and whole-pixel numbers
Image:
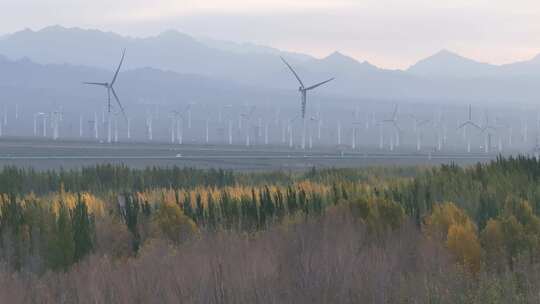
[{"x": 388, "y": 33}]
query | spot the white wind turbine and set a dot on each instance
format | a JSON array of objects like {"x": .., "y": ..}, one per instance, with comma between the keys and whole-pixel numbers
[
  {"x": 315, "y": 121},
  {"x": 488, "y": 130},
  {"x": 303, "y": 92},
  {"x": 80, "y": 126},
  {"x": 356, "y": 122},
  {"x": 339, "y": 133},
  {"x": 290, "y": 130},
  {"x": 207, "y": 132},
  {"x": 502, "y": 125},
  {"x": 56, "y": 118},
  {"x": 247, "y": 117},
  {"x": 393, "y": 121},
  {"x": 319, "y": 122},
  {"x": 266, "y": 125},
  {"x": 226, "y": 127},
  {"x": 524, "y": 130},
  {"x": 178, "y": 124},
  {"x": 110, "y": 89},
  {"x": 96, "y": 126},
  {"x": 418, "y": 130},
  {"x": 149, "y": 125},
  {"x": 129, "y": 128},
  {"x": 441, "y": 130},
  {"x": 36, "y": 115},
  {"x": 465, "y": 125},
  {"x": 5, "y": 116},
  {"x": 43, "y": 116},
  {"x": 174, "y": 120}
]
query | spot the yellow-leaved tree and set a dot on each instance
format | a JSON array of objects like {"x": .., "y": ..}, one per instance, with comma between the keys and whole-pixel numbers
[
  {"x": 453, "y": 226},
  {"x": 174, "y": 225}
]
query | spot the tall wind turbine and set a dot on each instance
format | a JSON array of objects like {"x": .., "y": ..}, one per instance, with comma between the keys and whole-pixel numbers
[
  {"x": 418, "y": 130},
  {"x": 247, "y": 117},
  {"x": 303, "y": 92},
  {"x": 393, "y": 121},
  {"x": 290, "y": 130},
  {"x": 110, "y": 89},
  {"x": 489, "y": 130},
  {"x": 469, "y": 123}
]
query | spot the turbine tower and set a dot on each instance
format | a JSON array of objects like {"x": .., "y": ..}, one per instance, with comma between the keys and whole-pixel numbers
[
  {"x": 303, "y": 92},
  {"x": 110, "y": 89}
]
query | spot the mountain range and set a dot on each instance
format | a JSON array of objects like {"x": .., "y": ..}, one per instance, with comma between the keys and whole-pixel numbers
[{"x": 173, "y": 66}]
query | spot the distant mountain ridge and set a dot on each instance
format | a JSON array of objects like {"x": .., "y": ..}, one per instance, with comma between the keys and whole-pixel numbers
[{"x": 222, "y": 65}]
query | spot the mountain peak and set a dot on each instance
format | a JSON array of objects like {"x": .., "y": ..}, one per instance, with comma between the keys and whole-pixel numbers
[
  {"x": 338, "y": 58},
  {"x": 446, "y": 53},
  {"x": 449, "y": 64},
  {"x": 54, "y": 28}
]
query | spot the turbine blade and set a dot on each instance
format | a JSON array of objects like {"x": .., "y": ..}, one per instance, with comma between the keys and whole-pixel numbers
[
  {"x": 96, "y": 83},
  {"x": 319, "y": 84},
  {"x": 119, "y": 104},
  {"x": 119, "y": 66},
  {"x": 292, "y": 70},
  {"x": 475, "y": 125}
]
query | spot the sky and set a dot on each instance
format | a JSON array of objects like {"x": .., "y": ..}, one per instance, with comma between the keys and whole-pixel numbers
[{"x": 388, "y": 33}]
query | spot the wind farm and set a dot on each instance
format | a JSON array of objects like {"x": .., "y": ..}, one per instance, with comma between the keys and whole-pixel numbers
[{"x": 269, "y": 128}]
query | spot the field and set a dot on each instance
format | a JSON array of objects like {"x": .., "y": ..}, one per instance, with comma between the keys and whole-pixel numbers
[{"x": 46, "y": 154}]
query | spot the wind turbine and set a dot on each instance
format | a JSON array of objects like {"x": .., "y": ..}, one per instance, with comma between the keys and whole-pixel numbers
[
  {"x": 96, "y": 125},
  {"x": 129, "y": 128},
  {"x": 466, "y": 124},
  {"x": 418, "y": 124},
  {"x": 488, "y": 130},
  {"x": 316, "y": 121},
  {"x": 339, "y": 133},
  {"x": 116, "y": 126},
  {"x": 149, "y": 125},
  {"x": 290, "y": 130},
  {"x": 303, "y": 92},
  {"x": 247, "y": 117},
  {"x": 80, "y": 126},
  {"x": 36, "y": 115},
  {"x": 110, "y": 89},
  {"x": 44, "y": 123},
  {"x": 56, "y": 118},
  {"x": 501, "y": 126},
  {"x": 393, "y": 121},
  {"x": 355, "y": 125},
  {"x": 178, "y": 118},
  {"x": 440, "y": 128},
  {"x": 174, "y": 120},
  {"x": 319, "y": 122}
]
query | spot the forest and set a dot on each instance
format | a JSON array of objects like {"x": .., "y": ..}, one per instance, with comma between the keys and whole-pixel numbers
[{"x": 113, "y": 234}]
